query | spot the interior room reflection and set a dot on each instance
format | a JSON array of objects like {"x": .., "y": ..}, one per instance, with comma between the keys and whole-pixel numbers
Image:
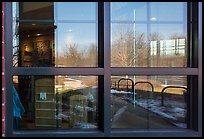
[{"x": 52, "y": 102}]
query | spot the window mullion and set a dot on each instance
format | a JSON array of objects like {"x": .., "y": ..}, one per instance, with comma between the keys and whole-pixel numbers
[
  {"x": 57, "y": 71},
  {"x": 8, "y": 70},
  {"x": 107, "y": 72}
]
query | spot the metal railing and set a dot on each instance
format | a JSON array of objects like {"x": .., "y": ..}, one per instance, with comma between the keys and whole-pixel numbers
[
  {"x": 127, "y": 85},
  {"x": 145, "y": 82},
  {"x": 162, "y": 92}
]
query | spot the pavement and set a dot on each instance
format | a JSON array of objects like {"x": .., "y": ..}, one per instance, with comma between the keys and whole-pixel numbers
[{"x": 126, "y": 115}]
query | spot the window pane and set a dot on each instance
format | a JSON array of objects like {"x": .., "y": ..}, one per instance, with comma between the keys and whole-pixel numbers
[
  {"x": 50, "y": 102},
  {"x": 128, "y": 11},
  {"x": 139, "y": 102},
  {"x": 168, "y": 48},
  {"x": 176, "y": 11},
  {"x": 124, "y": 43},
  {"x": 56, "y": 43},
  {"x": 36, "y": 10},
  {"x": 76, "y": 10},
  {"x": 34, "y": 45},
  {"x": 156, "y": 42},
  {"x": 76, "y": 45}
]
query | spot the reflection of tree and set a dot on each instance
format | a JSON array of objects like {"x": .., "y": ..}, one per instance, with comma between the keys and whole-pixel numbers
[
  {"x": 91, "y": 55},
  {"x": 123, "y": 48},
  {"x": 167, "y": 51},
  {"x": 131, "y": 49},
  {"x": 73, "y": 55},
  {"x": 142, "y": 50}
]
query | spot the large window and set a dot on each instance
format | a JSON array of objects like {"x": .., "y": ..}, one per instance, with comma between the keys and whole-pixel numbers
[
  {"x": 55, "y": 38},
  {"x": 151, "y": 102},
  {"x": 52, "y": 102},
  {"x": 148, "y": 34},
  {"x": 103, "y": 69}
]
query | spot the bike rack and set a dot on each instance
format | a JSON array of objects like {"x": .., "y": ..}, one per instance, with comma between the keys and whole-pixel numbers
[
  {"x": 145, "y": 82},
  {"x": 127, "y": 83},
  {"x": 114, "y": 84},
  {"x": 162, "y": 92}
]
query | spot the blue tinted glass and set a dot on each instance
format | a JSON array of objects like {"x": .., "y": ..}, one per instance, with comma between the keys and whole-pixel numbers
[{"x": 76, "y": 10}]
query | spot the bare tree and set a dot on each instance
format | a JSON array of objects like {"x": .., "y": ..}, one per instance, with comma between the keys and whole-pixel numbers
[
  {"x": 121, "y": 46},
  {"x": 125, "y": 50},
  {"x": 141, "y": 50},
  {"x": 91, "y": 57},
  {"x": 72, "y": 55}
]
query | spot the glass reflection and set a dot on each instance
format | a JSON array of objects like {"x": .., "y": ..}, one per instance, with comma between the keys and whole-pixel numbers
[
  {"x": 128, "y": 11},
  {"x": 52, "y": 102},
  {"x": 46, "y": 43},
  {"x": 156, "y": 42},
  {"x": 36, "y": 10},
  {"x": 76, "y": 10},
  {"x": 147, "y": 102},
  {"x": 73, "y": 47},
  {"x": 35, "y": 45},
  {"x": 128, "y": 46},
  {"x": 176, "y": 11}
]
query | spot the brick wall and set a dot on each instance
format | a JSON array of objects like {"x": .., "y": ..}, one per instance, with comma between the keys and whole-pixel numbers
[{"x": 3, "y": 123}]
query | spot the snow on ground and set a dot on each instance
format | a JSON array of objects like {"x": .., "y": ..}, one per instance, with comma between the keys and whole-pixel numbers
[
  {"x": 119, "y": 92},
  {"x": 173, "y": 110}
]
